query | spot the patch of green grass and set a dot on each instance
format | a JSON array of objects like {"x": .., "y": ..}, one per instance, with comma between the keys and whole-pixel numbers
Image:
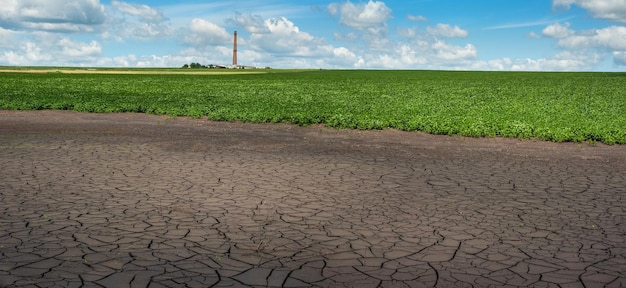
[{"x": 548, "y": 106}]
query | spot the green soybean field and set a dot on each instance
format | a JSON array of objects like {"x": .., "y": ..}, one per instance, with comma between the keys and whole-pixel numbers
[{"x": 552, "y": 106}]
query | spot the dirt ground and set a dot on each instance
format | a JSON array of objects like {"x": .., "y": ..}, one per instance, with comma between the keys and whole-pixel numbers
[{"x": 140, "y": 200}]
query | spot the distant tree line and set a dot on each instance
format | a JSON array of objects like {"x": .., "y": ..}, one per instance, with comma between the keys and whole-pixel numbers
[{"x": 198, "y": 65}]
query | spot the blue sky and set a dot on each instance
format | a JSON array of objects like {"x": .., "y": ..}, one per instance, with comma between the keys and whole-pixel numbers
[{"x": 537, "y": 35}]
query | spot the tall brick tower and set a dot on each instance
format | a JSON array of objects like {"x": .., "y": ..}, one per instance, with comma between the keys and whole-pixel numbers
[{"x": 235, "y": 50}]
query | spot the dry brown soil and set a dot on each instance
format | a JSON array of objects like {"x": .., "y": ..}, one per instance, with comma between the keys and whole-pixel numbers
[{"x": 134, "y": 200}]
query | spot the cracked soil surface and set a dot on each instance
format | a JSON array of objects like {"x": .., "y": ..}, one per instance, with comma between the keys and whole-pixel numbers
[{"x": 134, "y": 200}]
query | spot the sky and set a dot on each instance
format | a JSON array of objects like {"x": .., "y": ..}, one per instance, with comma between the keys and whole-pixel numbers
[{"x": 502, "y": 35}]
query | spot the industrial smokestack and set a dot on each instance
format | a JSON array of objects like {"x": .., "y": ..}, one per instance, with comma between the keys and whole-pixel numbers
[{"x": 235, "y": 50}]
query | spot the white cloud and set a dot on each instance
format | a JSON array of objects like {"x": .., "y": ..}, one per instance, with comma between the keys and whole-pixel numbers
[
  {"x": 557, "y": 30},
  {"x": 418, "y": 18},
  {"x": 445, "y": 30},
  {"x": 251, "y": 23},
  {"x": 124, "y": 30},
  {"x": 451, "y": 53},
  {"x": 213, "y": 55},
  {"x": 151, "y": 31},
  {"x": 52, "y": 15},
  {"x": 344, "y": 53},
  {"x": 204, "y": 33},
  {"x": 285, "y": 37},
  {"x": 345, "y": 37},
  {"x": 503, "y": 64},
  {"x": 533, "y": 35},
  {"x": 591, "y": 42},
  {"x": 50, "y": 49},
  {"x": 611, "y": 38},
  {"x": 614, "y": 10},
  {"x": 343, "y": 57},
  {"x": 282, "y": 26},
  {"x": 369, "y": 20},
  {"x": 28, "y": 54},
  {"x": 73, "y": 49},
  {"x": 136, "y": 22},
  {"x": 563, "y": 61},
  {"x": 421, "y": 53},
  {"x": 144, "y": 12},
  {"x": 372, "y": 15}
]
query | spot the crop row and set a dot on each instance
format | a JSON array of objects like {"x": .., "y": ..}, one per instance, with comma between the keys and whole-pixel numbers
[{"x": 547, "y": 106}]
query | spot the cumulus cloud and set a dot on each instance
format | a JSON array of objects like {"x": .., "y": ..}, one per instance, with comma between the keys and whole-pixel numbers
[
  {"x": 344, "y": 57},
  {"x": 52, "y": 15},
  {"x": 75, "y": 49},
  {"x": 340, "y": 57},
  {"x": 368, "y": 20},
  {"x": 611, "y": 38},
  {"x": 132, "y": 60},
  {"x": 50, "y": 49},
  {"x": 593, "y": 42},
  {"x": 422, "y": 53},
  {"x": 251, "y": 23},
  {"x": 446, "y": 30},
  {"x": 563, "y": 61},
  {"x": 144, "y": 12},
  {"x": 124, "y": 30},
  {"x": 286, "y": 38},
  {"x": 451, "y": 53},
  {"x": 27, "y": 54},
  {"x": 370, "y": 16},
  {"x": 614, "y": 10},
  {"x": 133, "y": 21},
  {"x": 557, "y": 30},
  {"x": 283, "y": 26},
  {"x": 204, "y": 33}
]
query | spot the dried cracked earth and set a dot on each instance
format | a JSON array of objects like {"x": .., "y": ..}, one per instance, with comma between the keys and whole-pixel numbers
[{"x": 133, "y": 200}]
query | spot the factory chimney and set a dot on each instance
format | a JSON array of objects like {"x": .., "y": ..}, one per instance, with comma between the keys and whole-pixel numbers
[{"x": 235, "y": 50}]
